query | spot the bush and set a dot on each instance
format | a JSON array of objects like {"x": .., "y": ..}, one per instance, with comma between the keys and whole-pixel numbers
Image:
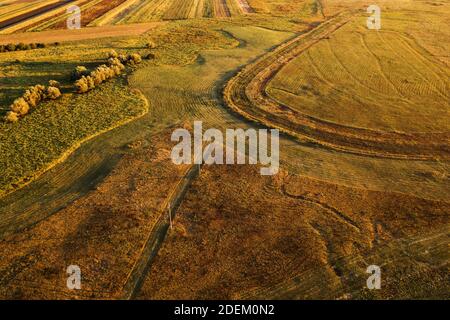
[
  {"x": 10, "y": 47},
  {"x": 22, "y": 46},
  {"x": 134, "y": 58},
  {"x": 34, "y": 95},
  {"x": 52, "y": 93},
  {"x": 116, "y": 62},
  {"x": 20, "y": 106},
  {"x": 122, "y": 58},
  {"x": 54, "y": 83},
  {"x": 82, "y": 85},
  {"x": 151, "y": 45},
  {"x": 33, "y": 45},
  {"x": 11, "y": 116},
  {"x": 41, "y": 45},
  {"x": 113, "y": 54},
  {"x": 150, "y": 56},
  {"x": 90, "y": 82},
  {"x": 79, "y": 72}
]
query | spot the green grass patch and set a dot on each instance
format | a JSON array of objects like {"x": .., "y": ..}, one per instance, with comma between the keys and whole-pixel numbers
[{"x": 55, "y": 128}]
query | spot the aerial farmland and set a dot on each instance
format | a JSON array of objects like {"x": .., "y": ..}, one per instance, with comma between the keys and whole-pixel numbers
[{"x": 224, "y": 149}]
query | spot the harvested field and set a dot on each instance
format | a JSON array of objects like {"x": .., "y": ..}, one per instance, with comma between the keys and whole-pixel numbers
[
  {"x": 82, "y": 34},
  {"x": 91, "y": 13},
  {"x": 363, "y": 178},
  {"x": 221, "y": 9},
  {"x": 96, "y": 228},
  {"x": 179, "y": 9},
  {"x": 18, "y": 18},
  {"x": 291, "y": 237},
  {"x": 115, "y": 14},
  {"x": 246, "y": 94}
]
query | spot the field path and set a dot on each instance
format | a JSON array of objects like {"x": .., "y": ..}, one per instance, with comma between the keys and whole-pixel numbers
[{"x": 81, "y": 34}]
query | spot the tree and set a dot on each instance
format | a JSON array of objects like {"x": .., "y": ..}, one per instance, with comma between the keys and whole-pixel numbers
[
  {"x": 20, "y": 106},
  {"x": 54, "y": 83},
  {"x": 52, "y": 93},
  {"x": 79, "y": 72},
  {"x": 10, "y": 47},
  {"x": 134, "y": 58},
  {"x": 151, "y": 45},
  {"x": 82, "y": 85},
  {"x": 113, "y": 54},
  {"x": 11, "y": 116}
]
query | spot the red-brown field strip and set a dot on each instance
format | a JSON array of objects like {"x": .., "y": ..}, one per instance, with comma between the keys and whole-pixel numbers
[{"x": 245, "y": 7}]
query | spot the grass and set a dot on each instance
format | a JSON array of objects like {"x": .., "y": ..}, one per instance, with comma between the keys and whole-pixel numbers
[
  {"x": 330, "y": 214},
  {"x": 381, "y": 81},
  {"x": 55, "y": 128}
]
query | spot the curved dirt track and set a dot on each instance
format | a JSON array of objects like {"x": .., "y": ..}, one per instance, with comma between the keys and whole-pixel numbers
[{"x": 246, "y": 94}]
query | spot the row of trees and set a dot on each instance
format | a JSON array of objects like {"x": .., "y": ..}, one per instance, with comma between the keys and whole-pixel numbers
[
  {"x": 22, "y": 46},
  {"x": 31, "y": 99},
  {"x": 86, "y": 81}
]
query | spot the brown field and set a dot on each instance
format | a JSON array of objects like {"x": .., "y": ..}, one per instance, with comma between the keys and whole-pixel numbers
[
  {"x": 292, "y": 237},
  {"x": 82, "y": 34},
  {"x": 105, "y": 232},
  {"x": 92, "y": 13}
]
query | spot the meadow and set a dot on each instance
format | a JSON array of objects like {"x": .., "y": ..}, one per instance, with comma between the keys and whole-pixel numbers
[{"x": 55, "y": 128}]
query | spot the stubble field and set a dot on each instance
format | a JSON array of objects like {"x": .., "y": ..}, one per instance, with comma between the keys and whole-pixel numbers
[{"x": 364, "y": 178}]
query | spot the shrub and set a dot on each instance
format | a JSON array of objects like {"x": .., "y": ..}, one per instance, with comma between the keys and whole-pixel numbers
[
  {"x": 122, "y": 58},
  {"x": 20, "y": 106},
  {"x": 134, "y": 58},
  {"x": 79, "y": 72},
  {"x": 113, "y": 54},
  {"x": 150, "y": 56},
  {"x": 54, "y": 83},
  {"x": 151, "y": 45},
  {"x": 32, "y": 98},
  {"x": 116, "y": 62},
  {"x": 22, "y": 46},
  {"x": 11, "y": 116},
  {"x": 82, "y": 85},
  {"x": 10, "y": 47},
  {"x": 52, "y": 93},
  {"x": 33, "y": 45},
  {"x": 57, "y": 43},
  {"x": 41, "y": 45},
  {"x": 34, "y": 95},
  {"x": 90, "y": 82}
]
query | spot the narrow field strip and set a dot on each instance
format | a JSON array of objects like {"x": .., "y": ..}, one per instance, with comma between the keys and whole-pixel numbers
[
  {"x": 82, "y": 34},
  {"x": 221, "y": 9},
  {"x": 110, "y": 16}
]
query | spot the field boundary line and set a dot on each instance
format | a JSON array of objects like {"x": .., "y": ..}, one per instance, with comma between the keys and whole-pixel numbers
[{"x": 158, "y": 233}]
